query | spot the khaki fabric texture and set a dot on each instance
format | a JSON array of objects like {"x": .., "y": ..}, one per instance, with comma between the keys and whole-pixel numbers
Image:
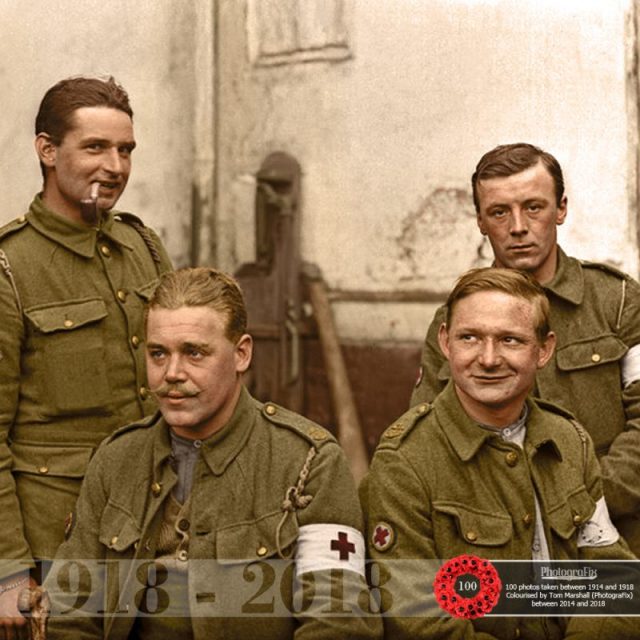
[
  {"x": 448, "y": 487},
  {"x": 71, "y": 363},
  {"x": 240, "y": 482},
  {"x": 595, "y": 314}
]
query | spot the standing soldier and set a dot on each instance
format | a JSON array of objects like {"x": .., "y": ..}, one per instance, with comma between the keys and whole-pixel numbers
[
  {"x": 74, "y": 278},
  {"x": 518, "y": 192}
]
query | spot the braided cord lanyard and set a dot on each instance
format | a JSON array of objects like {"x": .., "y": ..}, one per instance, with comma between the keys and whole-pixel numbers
[{"x": 295, "y": 499}]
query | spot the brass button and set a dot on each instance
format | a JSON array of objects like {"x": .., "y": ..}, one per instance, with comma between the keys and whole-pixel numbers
[
  {"x": 135, "y": 341},
  {"x": 43, "y": 469},
  {"x": 318, "y": 434},
  {"x": 68, "y": 323},
  {"x": 471, "y": 536},
  {"x": 511, "y": 458},
  {"x": 105, "y": 251},
  {"x": 270, "y": 410},
  {"x": 596, "y": 357},
  {"x": 156, "y": 488},
  {"x": 144, "y": 393},
  {"x": 577, "y": 519},
  {"x": 122, "y": 295},
  {"x": 183, "y": 555},
  {"x": 262, "y": 551},
  {"x": 517, "y": 634},
  {"x": 422, "y": 408},
  {"x": 183, "y": 524},
  {"x": 114, "y": 540},
  {"x": 22, "y": 219},
  {"x": 527, "y": 518},
  {"x": 136, "y": 545}
]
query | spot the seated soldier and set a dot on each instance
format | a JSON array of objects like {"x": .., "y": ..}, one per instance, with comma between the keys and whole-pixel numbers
[
  {"x": 487, "y": 470},
  {"x": 214, "y": 476}
]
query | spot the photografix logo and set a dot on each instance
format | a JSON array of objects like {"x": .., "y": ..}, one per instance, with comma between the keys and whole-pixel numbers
[{"x": 558, "y": 573}]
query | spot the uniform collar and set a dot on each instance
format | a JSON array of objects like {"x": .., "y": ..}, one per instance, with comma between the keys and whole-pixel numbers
[
  {"x": 79, "y": 238},
  {"x": 467, "y": 437},
  {"x": 219, "y": 450},
  {"x": 568, "y": 281}
]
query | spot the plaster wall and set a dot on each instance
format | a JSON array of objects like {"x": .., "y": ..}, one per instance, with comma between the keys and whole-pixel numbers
[
  {"x": 388, "y": 138},
  {"x": 387, "y": 124}
]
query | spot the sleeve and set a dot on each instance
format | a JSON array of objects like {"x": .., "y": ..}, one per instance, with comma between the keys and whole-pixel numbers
[
  {"x": 401, "y": 544},
  {"x": 14, "y": 549},
  {"x": 613, "y": 546},
  {"x": 330, "y": 553},
  {"x": 621, "y": 464},
  {"x": 586, "y": 627},
  {"x": 433, "y": 374},
  {"x": 74, "y": 584}
]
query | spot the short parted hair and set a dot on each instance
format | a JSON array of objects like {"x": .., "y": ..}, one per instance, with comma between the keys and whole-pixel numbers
[
  {"x": 518, "y": 284},
  {"x": 60, "y": 101},
  {"x": 203, "y": 287},
  {"x": 509, "y": 159}
]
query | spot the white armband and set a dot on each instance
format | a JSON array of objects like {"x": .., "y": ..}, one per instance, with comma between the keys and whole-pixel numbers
[
  {"x": 329, "y": 546},
  {"x": 598, "y": 531},
  {"x": 631, "y": 366}
]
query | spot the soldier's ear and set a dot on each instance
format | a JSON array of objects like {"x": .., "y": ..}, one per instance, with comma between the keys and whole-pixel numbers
[
  {"x": 561, "y": 214},
  {"x": 46, "y": 150},
  {"x": 481, "y": 224},
  {"x": 443, "y": 339},
  {"x": 546, "y": 349},
  {"x": 243, "y": 353}
]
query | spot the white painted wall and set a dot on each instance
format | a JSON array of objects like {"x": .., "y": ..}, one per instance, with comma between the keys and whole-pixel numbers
[{"x": 387, "y": 138}]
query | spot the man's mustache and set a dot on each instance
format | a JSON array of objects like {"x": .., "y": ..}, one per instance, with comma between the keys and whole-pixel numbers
[{"x": 183, "y": 388}]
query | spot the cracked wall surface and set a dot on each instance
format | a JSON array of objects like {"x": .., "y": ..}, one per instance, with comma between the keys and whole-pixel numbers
[{"x": 387, "y": 134}]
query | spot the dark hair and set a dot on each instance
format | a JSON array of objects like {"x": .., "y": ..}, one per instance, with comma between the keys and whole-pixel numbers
[
  {"x": 509, "y": 159},
  {"x": 203, "y": 287},
  {"x": 510, "y": 281},
  {"x": 60, "y": 101}
]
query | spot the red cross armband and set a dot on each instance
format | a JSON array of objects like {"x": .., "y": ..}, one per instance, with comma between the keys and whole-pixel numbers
[{"x": 329, "y": 546}]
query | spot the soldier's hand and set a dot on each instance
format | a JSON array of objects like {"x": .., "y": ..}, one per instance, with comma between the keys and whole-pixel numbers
[{"x": 13, "y": 625}]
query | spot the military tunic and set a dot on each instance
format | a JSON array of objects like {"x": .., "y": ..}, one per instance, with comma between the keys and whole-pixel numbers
[
  {"x": 236, "y": 517},
  {"x": 71, "y": 362},
  {"x": 445, "y": 487},
  {"x": 595, "y": 314}
]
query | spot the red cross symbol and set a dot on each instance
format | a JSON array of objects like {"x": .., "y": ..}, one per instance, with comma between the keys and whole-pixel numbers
[
  {"x": 380, "y": 536},
  {"x": 343, "y": 545}
]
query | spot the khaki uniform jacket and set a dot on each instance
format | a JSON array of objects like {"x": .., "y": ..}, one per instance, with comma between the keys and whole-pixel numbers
[
  {"x": 447, "y": 487},
  {"x": 71, "y": 362},
  {"x": 595, "y": 314},
  {"x": 240, "y": 481}
]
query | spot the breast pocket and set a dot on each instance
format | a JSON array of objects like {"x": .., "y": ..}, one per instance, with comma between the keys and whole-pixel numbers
[
  {"x": 119, "y": 532},
  {"x": 68, "y": 340},
  {"x": 597, "y": 351},
  {"x": 460, "y": 528},
  {"x": 569, "y": 514},
  {"x": 256, "y": 539}
]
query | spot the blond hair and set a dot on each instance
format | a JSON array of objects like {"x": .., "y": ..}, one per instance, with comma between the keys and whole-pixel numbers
[{"x": 203, "y": 287}]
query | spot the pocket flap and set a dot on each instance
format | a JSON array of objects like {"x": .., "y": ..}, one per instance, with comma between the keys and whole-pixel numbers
[
  {"x": 567, "y": 516},
  {"x": 590, "y": 353},
  {"x": 67, "y": 316},
  {"x": 478, "y": 527},
  {"x": 46, "y": 460},
  {"x": 118, "y": 529},
  {"x": 255, "y": 539}
]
